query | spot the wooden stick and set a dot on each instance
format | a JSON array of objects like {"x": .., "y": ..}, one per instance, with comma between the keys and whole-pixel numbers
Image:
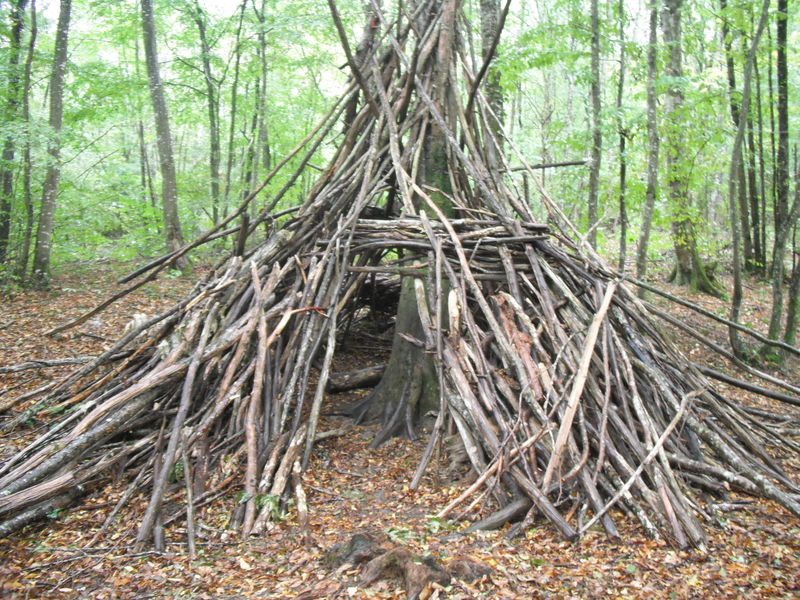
[
  {"x": 650, "y": 456},
  {"x": 159, "y": 482},
  {"x": 711, "y": 315},
  {"x": 578, "y": 384},
  {"x": 187, "y": 476}
]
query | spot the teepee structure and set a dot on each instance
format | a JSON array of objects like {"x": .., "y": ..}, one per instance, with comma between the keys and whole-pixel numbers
[{"x": 510, "y": 334}]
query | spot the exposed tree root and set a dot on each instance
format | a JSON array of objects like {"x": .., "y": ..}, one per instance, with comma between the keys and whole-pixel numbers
[{"x": 420, "y": 575}]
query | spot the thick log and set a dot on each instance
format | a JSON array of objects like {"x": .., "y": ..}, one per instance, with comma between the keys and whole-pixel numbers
[{"x": 360, "y": 378}]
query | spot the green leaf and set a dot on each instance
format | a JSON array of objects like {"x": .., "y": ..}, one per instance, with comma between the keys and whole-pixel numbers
[{"x": 399, "y": 534}]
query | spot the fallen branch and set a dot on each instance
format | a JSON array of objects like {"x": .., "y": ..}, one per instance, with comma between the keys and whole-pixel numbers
[{"x": 361, "y": 378}]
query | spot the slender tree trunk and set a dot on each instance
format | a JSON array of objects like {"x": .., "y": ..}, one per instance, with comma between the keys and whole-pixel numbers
[
  {"x": 762, "y": 175},
  {"x": 735, "y": 172},
  {"x": 652, "y": 146},
  {"x": 773, "y": 148},
  {"x": 793, "y": 308},
  {"x": 623, "y": 138},
  {"x": 248, "y": 176},
  {"x": 597, "y": 134},
  {"x": 735, "y": 109},
  {"x": 169, "y": 183},
  {"x": 27, "y": 194},
  {"x": 146, "y": 178},
  {"x": 212, "y": 96},
  {"x": 782, "y": 220},
  {"x": 753, "y": 262},
  {"x": 260, "y": 155},
  {"x": 234, "y": 97},
  {"x": 683, "y": 231},
  {"x": 145, "y": 173},
  {"x": 17, "y": 17},
  {"x": 264, "y": 149},
  {"x": 689, "y": 268},
  {"x": 490, "y": 21},
  {"x": 44, "y": 236}
]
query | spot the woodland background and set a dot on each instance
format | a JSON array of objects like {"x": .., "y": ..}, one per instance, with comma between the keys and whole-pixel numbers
[{"x": 242, "y": 83}]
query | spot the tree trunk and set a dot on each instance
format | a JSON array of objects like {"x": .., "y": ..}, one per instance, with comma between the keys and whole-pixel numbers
[
  {"x": 735, "y": 109},
  {"x": 44, "y": 237},
  {"x": 234, "y": 96},
  {"x": 148, "y": 191},
  {"x": 146, "y": 176},
  {"x": 490, "y": 21},
  {"x": 736, "y": 170},
  {"x": 754, "y": 263},
  {"x": 264, "y": 150},
  {"x": 169, "y": 183},
  {"x": 689, "y": 268},
  {"x": 793, "y": 308},
  {"x": 260, "y": 152},
  {"x": 27, "y": 194},
  {"x": 773, "y": 148},
  {"x": 249, "y": 160},
  {"x": 623, "y": 138},
  {"x": 782, "y": 220},
  {"x": 212, "y": 97},
  {"x": 652, "y": 145},
  {"x": 761, "y": 256},
  {"x": 597, "y": 134},
  {"x": 17, "y": 17},
  {"x": 409, "y": 388}
]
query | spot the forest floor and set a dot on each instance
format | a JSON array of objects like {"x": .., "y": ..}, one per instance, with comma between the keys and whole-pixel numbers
[{"x": 354, "y": 489}]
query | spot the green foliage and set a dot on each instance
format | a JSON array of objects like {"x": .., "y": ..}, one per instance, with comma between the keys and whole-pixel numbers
[
  {"x": 399, "y": 534},
  {"x": 177, "y": 473},
  {"x": 56, "y": 513},
  {"x": 272, "y": 503},
  {"x": 106, "y": 209}
]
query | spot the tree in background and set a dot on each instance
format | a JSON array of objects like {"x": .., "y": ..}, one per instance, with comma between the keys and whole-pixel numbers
[
  {"x": 169, "y": 183},
  {"x": 597, "y": 132},
  {"x": 490, "y": 27},
  {"x": 793, "y": 308},
  {"x": 212, "y": 98},
  {"x": 44, "y": 237},
  {"x": 740, "y": 190},
  {"x": 785, "y": 216},
  {"x": 735, "y": 175},
  {"x": 17, "y": 18},
  {"x": 21, "y": 267},
  {"x": 652, "y": 146},
  {"x": 622, "y": 133},
  {"x": 689, "y": 267}
]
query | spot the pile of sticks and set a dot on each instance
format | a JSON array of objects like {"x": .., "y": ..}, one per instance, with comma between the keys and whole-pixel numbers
[{"x": 567, "y": 398}]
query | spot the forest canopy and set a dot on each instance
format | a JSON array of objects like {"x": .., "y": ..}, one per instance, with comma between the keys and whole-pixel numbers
[{"x": 244, "y": 82}]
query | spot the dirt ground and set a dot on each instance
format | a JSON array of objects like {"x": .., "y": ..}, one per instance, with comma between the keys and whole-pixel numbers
[{"x": 754, "y": 552}]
